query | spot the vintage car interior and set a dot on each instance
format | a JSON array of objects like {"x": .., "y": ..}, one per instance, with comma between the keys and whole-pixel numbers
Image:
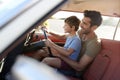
[{"x": 27, "y": 15}]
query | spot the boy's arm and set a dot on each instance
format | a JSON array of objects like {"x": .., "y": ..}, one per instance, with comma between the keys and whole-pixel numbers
[
  {"x": 58, "y": 36},
  {"x": 61, "y": 50}
]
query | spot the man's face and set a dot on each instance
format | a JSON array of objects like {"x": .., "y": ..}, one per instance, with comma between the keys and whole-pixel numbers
[{"x": 85, "y": 25}]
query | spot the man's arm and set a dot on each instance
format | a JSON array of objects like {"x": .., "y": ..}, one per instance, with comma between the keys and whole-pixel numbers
[{"x": 78, "y": 66}]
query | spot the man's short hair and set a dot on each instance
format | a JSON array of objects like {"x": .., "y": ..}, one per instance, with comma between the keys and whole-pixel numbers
[{"x": 95, "y": 16}]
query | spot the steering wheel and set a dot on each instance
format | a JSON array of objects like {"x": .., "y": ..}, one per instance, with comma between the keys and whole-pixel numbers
[
  {"x": 32, "y": 46},
  {"x": 28, "y": 46},
  {"x": 49, "y": 50}
]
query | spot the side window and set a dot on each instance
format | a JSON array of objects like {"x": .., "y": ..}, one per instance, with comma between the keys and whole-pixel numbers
[
  {"x": 56, "y": 22},
  {"x": 108, "y": 28},
  {"x": 56, "y": 25},
  {"x": 117, "y": 36}
]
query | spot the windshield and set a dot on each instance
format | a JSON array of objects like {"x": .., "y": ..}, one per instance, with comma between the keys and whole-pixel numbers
[{"x": 109, "y": 29}]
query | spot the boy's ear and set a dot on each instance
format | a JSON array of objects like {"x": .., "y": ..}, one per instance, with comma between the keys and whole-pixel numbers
[{"x": 73, "y": 27}]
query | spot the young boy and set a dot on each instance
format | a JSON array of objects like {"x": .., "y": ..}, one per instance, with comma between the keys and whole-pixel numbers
[{"x": 71, "y": 48}]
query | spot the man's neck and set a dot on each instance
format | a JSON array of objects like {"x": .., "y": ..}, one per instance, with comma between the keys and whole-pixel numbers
[{"x": 88, "y": 36}]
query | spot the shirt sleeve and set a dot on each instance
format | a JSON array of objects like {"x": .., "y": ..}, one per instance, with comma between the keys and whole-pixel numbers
[
  {"x": 75, "y": 44},
  {"x": 93, "y": 48}
]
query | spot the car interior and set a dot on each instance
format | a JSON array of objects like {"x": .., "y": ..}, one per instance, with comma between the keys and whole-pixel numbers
[{"x": 16, "y": 32}]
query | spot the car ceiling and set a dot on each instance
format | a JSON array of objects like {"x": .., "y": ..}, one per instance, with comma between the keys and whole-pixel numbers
[{"x": 106, "y": 7}]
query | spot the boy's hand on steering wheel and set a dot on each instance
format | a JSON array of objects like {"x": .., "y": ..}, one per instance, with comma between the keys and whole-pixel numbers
[{"x": 49, "y": 43}]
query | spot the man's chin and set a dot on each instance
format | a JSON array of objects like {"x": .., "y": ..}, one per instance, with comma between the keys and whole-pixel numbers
[{"x": 82, "y": 31}]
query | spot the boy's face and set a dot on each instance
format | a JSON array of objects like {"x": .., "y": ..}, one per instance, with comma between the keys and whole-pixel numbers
[
  {"x": 67, "y": 28},
  {"x": 85, "y": 25}
]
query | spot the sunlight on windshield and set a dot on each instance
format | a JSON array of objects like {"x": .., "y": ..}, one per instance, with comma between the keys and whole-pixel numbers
[
  {"x": 106, "y": 30},
  {"x": 64, "y": 14}
]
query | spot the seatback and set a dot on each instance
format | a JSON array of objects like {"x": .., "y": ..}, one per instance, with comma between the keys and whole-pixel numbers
[{"x": 106, "y": 65}]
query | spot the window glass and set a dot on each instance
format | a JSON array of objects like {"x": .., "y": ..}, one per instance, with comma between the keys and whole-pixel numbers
[
  {"x": 117, "y": 36},
  {"x": 106, "y": 30}
]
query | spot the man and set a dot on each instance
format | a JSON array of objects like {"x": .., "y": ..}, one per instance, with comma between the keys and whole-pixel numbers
[{"x": 90, "y": 43}]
